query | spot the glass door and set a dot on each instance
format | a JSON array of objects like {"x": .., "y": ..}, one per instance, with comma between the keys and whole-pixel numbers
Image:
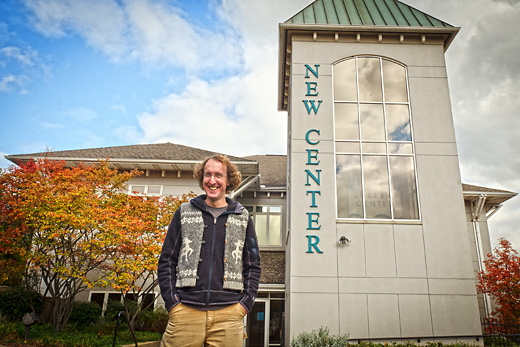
[
  {"x": 264, "y": 323},
  {"x": 256, "y": 324}
]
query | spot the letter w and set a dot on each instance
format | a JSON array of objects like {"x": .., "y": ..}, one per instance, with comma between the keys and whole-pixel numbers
[{"x": 312, "y": 107}]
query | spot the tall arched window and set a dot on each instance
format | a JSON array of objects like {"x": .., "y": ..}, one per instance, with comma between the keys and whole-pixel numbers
[{"x": 375, "y": 162}]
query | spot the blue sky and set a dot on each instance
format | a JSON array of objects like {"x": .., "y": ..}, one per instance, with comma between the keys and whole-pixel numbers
[{"x": 94, "y": 73}]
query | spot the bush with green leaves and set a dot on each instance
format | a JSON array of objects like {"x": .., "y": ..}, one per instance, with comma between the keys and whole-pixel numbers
[
  {"x": 319, "y": 338},
  {"x": 152, "y": 320},
  {"x": 113, "y": 308},
  {"x": 16, "y": 302},
  {"x": 85, "y": 313}
]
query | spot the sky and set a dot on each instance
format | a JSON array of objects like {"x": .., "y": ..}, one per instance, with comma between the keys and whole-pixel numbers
[{"x": 95, "y": 73}]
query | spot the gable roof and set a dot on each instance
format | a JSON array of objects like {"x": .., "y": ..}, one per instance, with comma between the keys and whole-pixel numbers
[
  {"x": 364, "y": 12},
  {"x": 164, "y": 151},
  {"x": 160, "y": 156},
  {"x": 273, "y": 170}
]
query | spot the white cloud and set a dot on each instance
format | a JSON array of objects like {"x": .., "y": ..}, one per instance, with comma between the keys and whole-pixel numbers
[
  {"x": 25, "y": 57},
  {"x": 10, "y": 82},
  {"x": 224, "y": 115},
  {"x": 100, "y": 22},
  {"x": 235, "y": 114},
  {"x": 153, "y": 32}
]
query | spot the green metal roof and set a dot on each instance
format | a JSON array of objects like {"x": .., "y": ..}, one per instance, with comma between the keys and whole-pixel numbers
[{"x": 365, "y": 12}]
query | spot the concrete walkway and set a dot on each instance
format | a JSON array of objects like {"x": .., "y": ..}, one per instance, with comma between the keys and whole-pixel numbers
[{"x": 143, "y": 344}]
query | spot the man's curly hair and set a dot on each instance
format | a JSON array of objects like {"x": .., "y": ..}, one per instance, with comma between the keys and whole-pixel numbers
[{"x": 233, "y": 174}]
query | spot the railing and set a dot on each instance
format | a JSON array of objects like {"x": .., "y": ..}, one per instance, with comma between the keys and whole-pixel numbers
[{"x": 500, "y": 333}]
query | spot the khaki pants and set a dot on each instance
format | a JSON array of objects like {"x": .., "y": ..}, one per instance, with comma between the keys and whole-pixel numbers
[{"x": 188, "y": 327}]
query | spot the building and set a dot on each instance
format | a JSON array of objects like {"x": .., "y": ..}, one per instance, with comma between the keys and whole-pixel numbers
[
  {"x": 378, "y": 243},
  {"x": 365, "y": 226},
  {"x": 168, "y": 170}
]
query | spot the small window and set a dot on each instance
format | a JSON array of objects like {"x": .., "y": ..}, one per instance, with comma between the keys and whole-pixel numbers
[
  {"x": 146, "y": 189},
  {"x": 268, "y": 224}
]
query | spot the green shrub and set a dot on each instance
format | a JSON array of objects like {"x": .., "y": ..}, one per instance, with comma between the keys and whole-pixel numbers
[
  {"x": 43, "y": 335},
  {"x": 16, "y": 302},
  {"x": 84, "y": 313},
  {"x": 11, "y": 331},
  {"x": 113, "y": 307},
  {"x": 320, "y": 338},
  {"x": 152, "y": 320}
]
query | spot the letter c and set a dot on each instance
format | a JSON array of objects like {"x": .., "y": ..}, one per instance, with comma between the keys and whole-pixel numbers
[{"x": 308, "y": 139}]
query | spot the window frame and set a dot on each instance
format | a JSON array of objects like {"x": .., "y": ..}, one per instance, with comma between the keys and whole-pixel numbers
[
  {"x": 146, "y": 189},
  {"x": 268, "y": 214},
  {"x": 386, "y": 142}
]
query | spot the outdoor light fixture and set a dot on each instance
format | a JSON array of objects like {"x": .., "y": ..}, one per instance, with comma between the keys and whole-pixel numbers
[{"x": 343, "y": 241}]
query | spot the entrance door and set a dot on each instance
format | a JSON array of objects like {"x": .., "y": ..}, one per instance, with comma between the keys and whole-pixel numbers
[
  {"x": 256, "y": 336},
  {"x": 264, "y": 323}
]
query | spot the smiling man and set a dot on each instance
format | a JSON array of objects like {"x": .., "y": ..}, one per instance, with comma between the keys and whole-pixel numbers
[{"x": 209, "y": 268}]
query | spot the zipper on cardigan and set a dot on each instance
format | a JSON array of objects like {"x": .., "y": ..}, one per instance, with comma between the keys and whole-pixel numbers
[{"x": 211, "y": 259}]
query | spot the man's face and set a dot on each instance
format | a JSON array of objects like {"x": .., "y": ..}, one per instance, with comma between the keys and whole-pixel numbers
[{"x": 215, "y": 183}]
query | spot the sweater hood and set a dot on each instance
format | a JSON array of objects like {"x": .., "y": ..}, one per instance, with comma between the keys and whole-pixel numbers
[{"x": 233, "y": 206}]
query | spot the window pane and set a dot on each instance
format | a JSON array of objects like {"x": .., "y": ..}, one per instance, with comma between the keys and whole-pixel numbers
[
  {"x": 345, "y": 81},
  {"x": 398, "y": 123},
  {"x": 277, "y": 308},
  {"x": 249, "y": 208},
  {"x": 404, "y": 191},
  {"x": 377, "y": 194},
  {"x": 274, "y": 230},
  {"x": 154, "y": 189},
  {"x": 138, "y": 189},
  {"x": 261, "y": 208},
  {"x": 400, "y": 148},
  {"x": 261, "y": 229},
  {"x": 369, "y": 77},
  {"x": 347, "y": 147},
  {"x": 369, "y": 147},
  {"x": 348, "y": 185},
  {"x": 372, "y": 122},
  {"x": 394, "y": 77},
  {"x": 148, "y": 299},
  {"x": 277, "y": 209},
  {"x": 98, "y": 298},
  {"x": 114, "y": 297},
  {"x": 346, "y": 121}
]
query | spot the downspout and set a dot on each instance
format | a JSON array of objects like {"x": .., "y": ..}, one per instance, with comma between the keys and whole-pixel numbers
[
  {"x": 246, "y": 184},
  {"x": 477, "y": 208},
  {"x": 493, "y": 210}
]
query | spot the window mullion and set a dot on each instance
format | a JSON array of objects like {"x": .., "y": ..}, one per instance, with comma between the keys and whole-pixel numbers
[
  {"x": 363, "y": 198},
  {"x": 386, "y": 142}
]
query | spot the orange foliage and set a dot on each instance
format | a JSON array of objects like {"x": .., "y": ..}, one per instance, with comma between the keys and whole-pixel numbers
[
  {"x": 501, "y": 279},
  {"x": 78, "y": 227}
]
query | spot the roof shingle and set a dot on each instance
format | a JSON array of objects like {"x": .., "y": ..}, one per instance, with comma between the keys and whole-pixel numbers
[{"x": 158, "y": 151}]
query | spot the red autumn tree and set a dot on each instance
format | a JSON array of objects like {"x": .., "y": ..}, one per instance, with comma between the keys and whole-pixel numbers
[
  {"x": 64, "y": 223},
  {"x": 14, "y": 241},
  {"x": 501, "y": 279},
  {"x": 132, "y": 267}
]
